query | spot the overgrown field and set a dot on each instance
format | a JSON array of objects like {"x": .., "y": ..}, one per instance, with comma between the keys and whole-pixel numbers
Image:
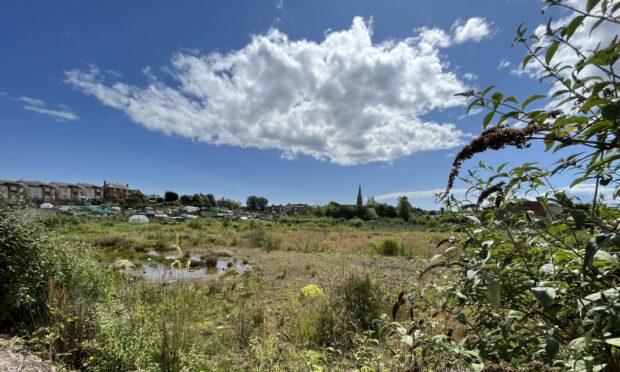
[{"x": 311, "y": 297}]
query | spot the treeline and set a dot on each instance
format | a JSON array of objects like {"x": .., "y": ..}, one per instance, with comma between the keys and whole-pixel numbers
[
  {"x": 172, "y": 198},
  {"x": 374, "y": 211}
]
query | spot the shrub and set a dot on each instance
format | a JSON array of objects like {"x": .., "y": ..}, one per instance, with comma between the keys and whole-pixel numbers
[
  {"x": 261, "y": 238},
  {"x": 389, "y": 247},
  {"x": 31, "y": 257},
  {"x": 355, "y": 222},
  {"x": 349, "y": 308},
  {"x": 537, "y": 287}
]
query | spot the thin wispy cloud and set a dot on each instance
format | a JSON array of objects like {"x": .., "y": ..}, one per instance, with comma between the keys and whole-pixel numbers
[
  {"x": 470, "y": 76},
  {"x": 332, "y": 100},
  {"x": 61, "y": 112},
  {"x": 504, "y": 64},
  {"x": 418, "y": 194}
]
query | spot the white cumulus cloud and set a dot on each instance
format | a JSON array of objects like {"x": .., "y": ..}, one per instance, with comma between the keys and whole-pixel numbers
[
  {"x": 475, "y": 29},
  {"x": 344, "y": 99}
]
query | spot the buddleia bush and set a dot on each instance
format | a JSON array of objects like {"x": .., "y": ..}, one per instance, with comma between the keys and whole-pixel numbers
[{"x": 533, "y": 278}]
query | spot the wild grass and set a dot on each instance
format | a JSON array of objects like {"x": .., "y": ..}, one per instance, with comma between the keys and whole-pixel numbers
[
  {"x": 301, "y": 237},
  {"x": 255, "y": 321}
]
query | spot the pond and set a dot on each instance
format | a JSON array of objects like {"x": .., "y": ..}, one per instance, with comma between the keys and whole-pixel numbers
[{"x": 158, "y": 266}]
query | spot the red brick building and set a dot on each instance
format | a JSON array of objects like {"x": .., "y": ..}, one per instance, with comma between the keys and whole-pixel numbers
[
  {"x": 67, "y": 192},
  {"x": 38, "y": 191},
  {"x": 90, "y": 191},
  {"x": 10, "y": 189},
  {"x": 115, "y": 191}
]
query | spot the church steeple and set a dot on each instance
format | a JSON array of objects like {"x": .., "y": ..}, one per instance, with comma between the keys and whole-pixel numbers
[{"x": 360, "y": 200}]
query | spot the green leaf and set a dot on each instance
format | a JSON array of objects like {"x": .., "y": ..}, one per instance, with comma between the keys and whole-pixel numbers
[
  {"x": 511, "y": 99},
  {"x": 473, "y": 219},
  {"x": 530, "y": 100},
  {"x": 487, "y": 119},
  {"x": 544, "y": 295},
  {"x": 591, "y": 4},
  {"x": 526, "y": 60},
  {"x": 611, "y": 112},
  {"x": 551, "y": 349},
  {"x": 572, "y": 26},
  {"x": 579, "y": 216},
  {"x": 613, "y": 341},
  {"x": 551, "y": 51},
  {"x": 473, "y": 104},
  {"x": 606, "y": 256},
  {"x": 487, "y": 90},
  {"x": 497, "y": 98},
  {"x": 493, "y": 294},
  {"x": 579, "y": 180},
  {"x": 408, "y": 339}
]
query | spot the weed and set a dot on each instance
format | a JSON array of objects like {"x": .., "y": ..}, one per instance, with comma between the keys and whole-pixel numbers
[{"x": 389, "y": 247}]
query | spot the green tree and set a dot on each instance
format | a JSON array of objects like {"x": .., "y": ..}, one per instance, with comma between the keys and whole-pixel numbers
[
  {"x": 185, "y": 199},
  {"x": 211, "y": 200},
  {"x": 171, "y": 196},
  {"x": 256, "y": 203},
  {"x": 136, "y": 199},
  {"x": 228, "y": 203},
  {"x": 404, "y": 208}
]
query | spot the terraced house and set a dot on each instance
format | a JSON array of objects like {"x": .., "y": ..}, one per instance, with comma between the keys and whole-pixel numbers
[
  {"x": 38, "y": 191},
  {"x": 90, "y": 191},
  {"x": 67, "y": 192},
  {"x": 115, "y": 191},
  {"x": 10, "y": 189}
]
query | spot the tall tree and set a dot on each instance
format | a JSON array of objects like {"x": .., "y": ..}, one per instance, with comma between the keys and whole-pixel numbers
[
  {"x": 404, "y": 208},
  {"x": 171, "y": 196},
  {"x": 256, "y": 203}
]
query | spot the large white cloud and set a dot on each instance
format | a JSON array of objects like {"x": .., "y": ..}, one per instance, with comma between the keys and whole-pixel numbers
[{"x": 343, "y": 99}]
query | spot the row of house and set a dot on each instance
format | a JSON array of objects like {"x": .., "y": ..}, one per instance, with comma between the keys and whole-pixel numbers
[
  {"x": 63, "y": 192},
  {"x": 288, "y": 209}
]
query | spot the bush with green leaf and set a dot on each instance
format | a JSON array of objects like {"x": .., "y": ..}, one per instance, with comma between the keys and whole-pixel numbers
[
  {"x": 389, "y": 247},
  {"x": 32, "y": 257},
  {"x": 537, "y": 283}
]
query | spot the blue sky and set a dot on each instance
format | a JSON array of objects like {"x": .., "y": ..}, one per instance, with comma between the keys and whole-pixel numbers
[{"x": 206, "y": 96}]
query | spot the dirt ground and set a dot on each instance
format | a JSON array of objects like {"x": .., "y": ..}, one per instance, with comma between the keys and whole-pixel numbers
[{"x": 13, "y": 358}]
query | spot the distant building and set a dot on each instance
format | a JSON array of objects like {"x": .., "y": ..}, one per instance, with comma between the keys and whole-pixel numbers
[
  {"x": 275, "y": 209},
  {"x": 90, "y": 191},
  {"x": 292, "y": 209},
  {"x": 360, "y": 200},
  {"x": 66, "y": 192},
  {"x": 38, "y": 191},
  {"x": 115, "y": 191},
  {"x": 10, "y": 189}
]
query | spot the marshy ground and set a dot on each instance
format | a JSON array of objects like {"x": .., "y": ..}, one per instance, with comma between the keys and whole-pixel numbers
[{"x": 222, "y": 295}]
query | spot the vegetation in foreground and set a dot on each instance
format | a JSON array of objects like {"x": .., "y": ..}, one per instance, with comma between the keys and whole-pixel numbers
[{"x": 297, "y": 309}]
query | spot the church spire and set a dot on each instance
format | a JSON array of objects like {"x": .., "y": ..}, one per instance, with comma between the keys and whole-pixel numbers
[{"x": 360, "y": 201}]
